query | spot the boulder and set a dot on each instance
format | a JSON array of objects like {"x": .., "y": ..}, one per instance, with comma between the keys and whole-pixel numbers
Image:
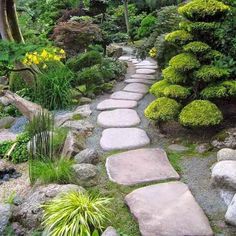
[
  {"x": 88, "y": 156},
  {"x": 5, "y": 214},
  {"x": 84, "y": 111},
  {"x": 86, "y": 174},
  {"x": 224, "y": 174},
  {"x": 6, "y": 122},
  {"x": 29, "y": 213},
  {"x": 110, "y": 231},
  {"x": 225, "y": 139},
  {"x": 81, "y": 126},
  {"x": 226, "y": 154},
  {"x": 74, "y": 143},
  {"x": 230, "y": 216}
]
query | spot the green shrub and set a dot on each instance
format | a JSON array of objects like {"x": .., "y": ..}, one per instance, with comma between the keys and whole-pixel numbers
[
  {"x": 176, "y": 91},
  {"x": 157, "y": 89},
  {"x": 196, "y": 47},
  {"x": 147, "y": 25},
  {"x": 215, "y": 91},
  {"x": 162, "y": 109},
  {"x": 211, "y": 73},
  {"x": 16, "y": 82},
  {"x": 231, "y": 87},
  {"x": 184, "y": 62},
  {"x": 178, "y": 36},
  {"x": 75, "y": 213},
  {"x": 200, "y": 10},
  {"x": 200, "y": 113},
  {"x": 174, "y": 77},
  {"x": 84, "y": 60}
]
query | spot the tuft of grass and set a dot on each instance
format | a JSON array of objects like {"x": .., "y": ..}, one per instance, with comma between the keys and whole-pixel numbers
[
  {"x": 77, "y": 117},
  {"x": 175, "y": 159}
]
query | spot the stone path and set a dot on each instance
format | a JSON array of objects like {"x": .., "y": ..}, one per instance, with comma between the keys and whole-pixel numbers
[{"x": 164, "y": 209}]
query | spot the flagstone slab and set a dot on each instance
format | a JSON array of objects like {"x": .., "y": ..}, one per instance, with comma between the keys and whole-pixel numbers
[
  {"x": 145, "y": 71},
  {"x": 136, "y": 88},
  {"x": 124, "y": 58},
  {"x": 142, "y": 81},
  {"x": 123, "y": 139},
  {"x": 118, "y": 118},
  {"x": 142, "y": 76},
  {"x": 140, "y": 166},
  {"x": 146, "y": 63},
  {"x": 124, "y": 95},
  {"x": 110, "y": 104},
  {"x": 168, "y": 209},
  {"x": 146, "y": 67}
]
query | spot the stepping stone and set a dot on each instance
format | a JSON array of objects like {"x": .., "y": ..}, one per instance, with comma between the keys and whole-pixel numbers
[
  {"x": 178, "y": 148},
  {"x": 135, "y": 61},
  {"x": 123, "y": 139},
  {"x": 118, "y": 118},
  {"x": 136, "y": 88},
  {"x": 110, "y": 104},
  {"x": 124, "y": 58},
  {"x": 123, "y": 95},
  {"x": 140, "y": 166},
  {"x": 145, "y": 71},
  {"x": 168, "y": 209},
  {"x": 141, "y": 76},
  {"x": 146, "y": 63},
  {"x": 142, "y": 81},
  {"x": 146, "y": 67}
]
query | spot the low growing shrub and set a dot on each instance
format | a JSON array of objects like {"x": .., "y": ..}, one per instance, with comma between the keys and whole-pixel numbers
[
  {"x": 196, "y": 47},
  {"x": 158, "y": 88},
  {"x": 178, "y": 37},
  {"x": 176, "y": 91},
  {"x": 147, "y": 26},
  {"x": 173, "y": 76}
]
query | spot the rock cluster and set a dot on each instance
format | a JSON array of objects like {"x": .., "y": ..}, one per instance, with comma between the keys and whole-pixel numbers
[{"x": 7, "y": 173}]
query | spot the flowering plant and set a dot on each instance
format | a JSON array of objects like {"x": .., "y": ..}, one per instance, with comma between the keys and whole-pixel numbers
[{"x": 153, "y": 52}]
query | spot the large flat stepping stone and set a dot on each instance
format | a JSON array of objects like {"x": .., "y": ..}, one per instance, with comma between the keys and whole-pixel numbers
[
  {"x": 146, "y": 67},
  {"x": 110, "y": 104},
  {"x": 168, "y": 209},
  {"x": 124, "y": 58},
  {"x": 142, "y": 76},
  {"x": 118, "y": 118},
  {"x": 142, "y": 81},
  {"x": 123, "y": 139},
  {"x": 136, "y": 88},
  {"x": 145, "y": 71},
  {"x": 146, "y": 63},
  {"x": 140, "y": 166},
  {"x": 123, "y": 95}
]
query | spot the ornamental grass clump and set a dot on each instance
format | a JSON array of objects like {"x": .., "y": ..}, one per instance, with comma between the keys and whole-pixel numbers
[
  {"x": 76, "y": 213},
  {"x": 197, "y": 71}
]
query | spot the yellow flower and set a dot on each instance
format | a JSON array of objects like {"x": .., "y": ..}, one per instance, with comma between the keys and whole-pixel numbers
[{"x": 44, "y": 54}]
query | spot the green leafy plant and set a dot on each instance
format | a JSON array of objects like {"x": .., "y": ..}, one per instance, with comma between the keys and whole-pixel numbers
[
  {"x": 158, "y": 88},
  {"x": 75, "y": 213},
  {"x": 147, "y": 26},
  {"x": 179, "y": 36},
  {"x": 176, "y": 92}
]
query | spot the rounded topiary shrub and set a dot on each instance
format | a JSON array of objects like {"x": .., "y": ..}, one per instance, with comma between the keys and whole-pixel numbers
[
  {"x": 163, "y": 109},
  {"x": 157, "y": 89},
  {"x": 178, "y": 36},
  {"x": 200, "y": 113},
  {"x": 196, "y": 47},
  {"x": 176, "y": 91},
  {"x": 172, "y": 76}
]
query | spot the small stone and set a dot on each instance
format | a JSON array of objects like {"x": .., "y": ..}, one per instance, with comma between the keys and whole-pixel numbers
[
  {"x": 5, "y": 214},
  {"x": 110, "y": 231},
  {"x": 142, "y": 76},
  {"x": 89, "y": 156},
  {"x": 6, "y": 177},
  {"x": 17, "y": 200},
  {"x": 86, "y": 174},
  {"x": 145, "y": 71},
  {"x": 18, "y": 229},
  {"x": 224, "y": 174},
  {"x": 226, "y": 154},
  {"x": 82, "y": 126},
  {"x": 6, "y": 122},
  {"x": 142, "y": 81},
  {"x": 122, "y": 95},
  {"x": 84, "y": 100},
  {"x": 118, "y": 118},
  {"x": 110, "y": 104},
  {"x": 178, "y": 148},
  {"x": 136, "y": 88},
  {"x": 230, "y": 216},
  {"x": 6, "y": 135},
  {"x": 16, "y": 175},
  {"x": 85, "y": 111},
  {"x": 5, "y": 101},
  {"x": 202, "y": 148},
  {"x": 4, "y": 80}
]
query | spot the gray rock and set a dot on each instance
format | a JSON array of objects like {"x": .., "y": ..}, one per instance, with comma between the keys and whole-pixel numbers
[
  {"x": 146, "y": 71},
  {"x": 3, "y": 80},
  {"x": 110, "y": 231},
  {"x": 29, "y": 213},
  {"x": 142, "y": 81},
  {"x": 5, "y": 214},
  {"x": 74, "y": 143},
  {"x": 88, "y": 156},
  {"x": 6, "y": 135},
  {"x": 146, "y": 63},
  {"x": 81, "y": 126},
  {"x": 224, "y": 174},
  {"x": 84, "y": 111},
  {"x": 230, "y": 216},
  {"x": 110, "y": 104},
  {"x": 178, "y": 148},
  {"x": 202, "y": 148},
  {"x": 18, "y": 229},
  {"x": 6, "y": 122},
  {"x": 136, "y": 88},
  {"x": 84, "y": 100},
  {"x": 141, "y": 76},
  {"x": 225, "y": 139},
  {"x": 5, "y": 101},
  {"x": 122, "y": 95},
  {"x": 86, "y": 174},
  {"x": 168, "y": 209},
  {"x": 226, "y": 154}
]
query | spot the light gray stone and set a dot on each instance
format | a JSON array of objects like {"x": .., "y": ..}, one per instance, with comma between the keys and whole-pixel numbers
[
  {"x": 122, "y": 95},
  {"x": 204, "y": 147},
  {"x": 146, "y": 63},
  {"x": 142, "y": 81},
  {"x": 123, "y": 138},
  {"x": 84, "y": 111},
  {"x": 5, "y": 214},
  {"x": 124, "y": 58},
  {"x": 225, "y": 139},
  {"x": 118, "y": 118},
  {"x": 110, "y": 231},
  {"x": 6, "y": 135},
  {"x": 178, "y": 148},
  {"x": 224, "y": 174},
  {"x": 168, "y": 209},
  {"x": 142, "y": 76},
  {"x": 136, "y": 88},
  {"x": 83, "y": 126},
  {"x": 6, "y": 122},
  {"x": 109, "y": 104},
  {"x": 145, "y": 71},
  {"x": 89, "y": 156},
  {"x": 226, "y": 154},
  {"x": 230, "y": 216},
  {"x": 140, "y": 166},
  {"x": 146, "y": 67},
  {"x": 5, "y": 101},
  {"x": 86, "y": 174}
]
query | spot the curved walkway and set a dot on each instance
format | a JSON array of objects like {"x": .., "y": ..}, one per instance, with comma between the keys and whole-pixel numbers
[{"x": 167, "y": 208}]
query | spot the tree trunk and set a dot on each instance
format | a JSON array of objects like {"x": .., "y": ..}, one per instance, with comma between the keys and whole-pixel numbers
[{"x": 126, "y": 16}]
